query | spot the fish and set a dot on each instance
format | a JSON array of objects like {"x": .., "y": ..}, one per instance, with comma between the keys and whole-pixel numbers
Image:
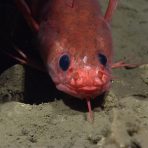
[{"x": 75, "y": 43}]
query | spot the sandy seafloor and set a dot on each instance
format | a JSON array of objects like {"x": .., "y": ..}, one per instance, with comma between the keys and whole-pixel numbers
[{"x": 120, "y": 122}]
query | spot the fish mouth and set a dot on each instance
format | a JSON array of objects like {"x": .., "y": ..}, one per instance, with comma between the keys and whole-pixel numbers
[
  {"x": 82, "y": 92},
  {"x": 88, "y": 89},
  {"x": 85, "y": 83}
]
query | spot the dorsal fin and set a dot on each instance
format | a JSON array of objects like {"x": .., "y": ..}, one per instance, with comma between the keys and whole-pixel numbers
[
  {"x": 110, "y": 10},
  {"x": 70, "y": 3}
]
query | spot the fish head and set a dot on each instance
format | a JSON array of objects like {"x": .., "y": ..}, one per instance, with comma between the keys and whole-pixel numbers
[{"x": 78, "y": 56}]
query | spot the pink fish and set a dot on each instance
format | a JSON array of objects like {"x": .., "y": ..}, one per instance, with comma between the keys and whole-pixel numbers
[{"x": 75, "y": 44}]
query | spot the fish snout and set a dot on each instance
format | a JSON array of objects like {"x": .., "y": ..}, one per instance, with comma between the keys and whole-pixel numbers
[{"x": 88, "y": 79}]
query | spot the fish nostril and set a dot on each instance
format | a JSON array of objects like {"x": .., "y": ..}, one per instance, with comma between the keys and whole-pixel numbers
[
  {"x": 104, "y": 78},
  {"x": 98, "y": 81},
  {"x": 72, "y": 82},
  {"x": 100, "y": 74},
  {"x": 79, "y": 82},
  {"x": 76, "y": 76}
]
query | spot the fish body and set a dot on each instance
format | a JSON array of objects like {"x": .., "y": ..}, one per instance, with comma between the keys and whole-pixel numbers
[
  {"x": 75, "y": 43},
  {"x": 81, "y": 34}
]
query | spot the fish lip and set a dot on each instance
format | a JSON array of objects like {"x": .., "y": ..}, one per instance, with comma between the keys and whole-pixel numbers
[
  {"x": 81, "y": 92},
  {"x": 66, "y": 89},
  {"x": 89, "y": 89}
]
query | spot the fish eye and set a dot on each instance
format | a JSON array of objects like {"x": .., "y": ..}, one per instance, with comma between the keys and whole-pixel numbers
[
  {"x": 64, "y": 62},
  {"x": 102, "y": 58}
]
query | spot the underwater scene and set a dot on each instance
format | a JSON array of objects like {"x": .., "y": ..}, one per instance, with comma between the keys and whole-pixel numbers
[{"x": 56, "y": 98}]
